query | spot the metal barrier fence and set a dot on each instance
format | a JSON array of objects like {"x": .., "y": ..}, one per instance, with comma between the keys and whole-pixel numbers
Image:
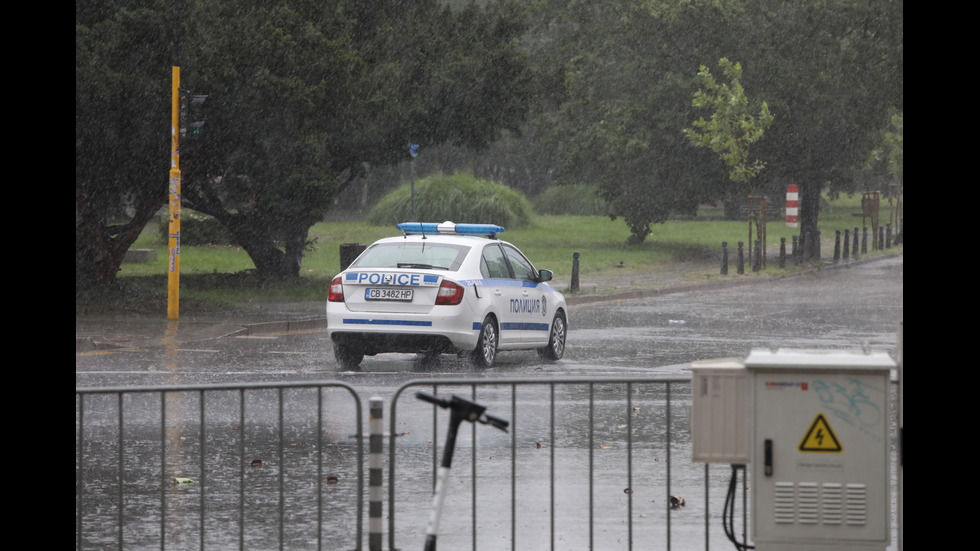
[
  {"x": 595, "y": 463},
  {"x": 588, "y": 463},
  {"x": 249, "y": 466}
]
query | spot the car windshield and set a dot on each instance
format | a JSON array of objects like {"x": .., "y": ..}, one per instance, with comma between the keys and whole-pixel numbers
[{"x": 438, "y": 256}]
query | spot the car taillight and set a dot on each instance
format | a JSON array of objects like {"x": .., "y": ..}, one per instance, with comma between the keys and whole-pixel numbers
[
  {"x": 336, "y": 292},
  {"x": 449, "y": 293}
]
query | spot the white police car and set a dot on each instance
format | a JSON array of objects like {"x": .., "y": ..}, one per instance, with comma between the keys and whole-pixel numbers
[{"x": 444, "y": 288}]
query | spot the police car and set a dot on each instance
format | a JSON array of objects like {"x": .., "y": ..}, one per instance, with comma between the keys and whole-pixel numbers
[{"x": 444, "y": 288}]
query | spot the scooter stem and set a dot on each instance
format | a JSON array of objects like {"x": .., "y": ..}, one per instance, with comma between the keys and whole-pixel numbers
[{"x": 461, "y": 410}]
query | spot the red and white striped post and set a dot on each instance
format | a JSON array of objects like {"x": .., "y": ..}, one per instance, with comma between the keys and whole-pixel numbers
[{"x": 792, "y": 205}]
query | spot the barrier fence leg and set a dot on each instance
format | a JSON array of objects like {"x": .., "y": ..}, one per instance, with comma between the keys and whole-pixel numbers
[{"x": 375, "y": 465}]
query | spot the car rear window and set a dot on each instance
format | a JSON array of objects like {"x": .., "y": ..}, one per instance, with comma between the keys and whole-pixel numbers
[{"x": 437, "y": 256}]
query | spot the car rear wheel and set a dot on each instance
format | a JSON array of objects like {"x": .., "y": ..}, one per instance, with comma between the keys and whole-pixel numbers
[
  {"x": 349, "y": 357},
  {"x": 486, "y": 347},
  {"x": 556, "y": 342}
]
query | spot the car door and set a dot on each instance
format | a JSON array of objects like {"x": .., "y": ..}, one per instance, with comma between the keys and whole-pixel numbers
[
  {"x": 504, "y": 291},
  {"x": 528, "y": 307}
]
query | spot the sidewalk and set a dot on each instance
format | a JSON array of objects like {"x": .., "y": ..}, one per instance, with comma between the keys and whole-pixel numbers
[{"x": 94, "y": 333}]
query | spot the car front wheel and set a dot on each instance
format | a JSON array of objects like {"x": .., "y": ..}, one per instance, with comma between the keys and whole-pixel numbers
[
  {"x": 556, "y": 342},
  {"x": 486, "y": 347}
]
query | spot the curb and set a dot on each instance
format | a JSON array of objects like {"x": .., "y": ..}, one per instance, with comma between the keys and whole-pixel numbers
[
  {"x": 648, "y": 293},
  {"x": 287, "y": 326}
]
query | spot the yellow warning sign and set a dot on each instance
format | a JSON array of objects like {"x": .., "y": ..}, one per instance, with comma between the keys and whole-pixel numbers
[{"x": 820, "y": 437}]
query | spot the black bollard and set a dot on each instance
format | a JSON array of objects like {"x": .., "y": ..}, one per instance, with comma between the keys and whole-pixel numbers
[
  {"x": 854, "y": 248},
  {"x": 349, "y": 253},
  {"x": 575, "y": 284},
  {"x": 847, "y": 245},
  {"x": 881, "y": 238},
  {"x": 837, "y": 247},
  {"x": 724, "y": 258},
  {"x": 741, "y": 259},
  {"x": 888, "y": 235},
  {"x": 864, "y": 241},
  {"x": 782, "y": 252}
]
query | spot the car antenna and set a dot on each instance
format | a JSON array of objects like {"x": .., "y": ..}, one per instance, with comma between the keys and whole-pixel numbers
[{"x": 407, "y": 230}]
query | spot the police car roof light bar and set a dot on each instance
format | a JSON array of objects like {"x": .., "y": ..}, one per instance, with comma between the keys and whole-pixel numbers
[{"x": 485, "y": 230}]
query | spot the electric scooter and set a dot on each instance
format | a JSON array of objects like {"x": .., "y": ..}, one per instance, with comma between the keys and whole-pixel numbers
[{"x": 461, "y": 410}]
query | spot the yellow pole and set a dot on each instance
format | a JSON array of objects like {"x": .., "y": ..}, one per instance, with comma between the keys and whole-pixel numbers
[{"x": 173, "y": 278}]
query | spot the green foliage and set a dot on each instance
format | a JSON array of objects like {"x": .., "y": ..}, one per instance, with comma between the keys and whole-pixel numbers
[
  {"x": 457, "y": 197},
  {"x": 122, "y": 128},
  {"x": 732, "y": 128},
  {"x": 302, "y": 98},
  {"x": 894, "y": 142},
  {"x": 620, "y": 86},
  {"x": 575, "y": 199}
]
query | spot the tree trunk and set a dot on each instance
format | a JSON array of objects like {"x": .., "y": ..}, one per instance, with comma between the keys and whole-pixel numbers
[
  {"x": 809, "y": 213},
  {"x": 100, "y": 247},
  {"x": 268, "y": 258}
]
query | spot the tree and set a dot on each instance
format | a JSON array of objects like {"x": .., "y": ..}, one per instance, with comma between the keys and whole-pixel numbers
[
  {"x": 833, "y": 71},
  {"x": 625, "y": 101},
  {"x": 302, "y": 98},
  {"x": 122, "y": 129},
  {"x": 327, "y": 92},
  {"x": 732, "y": 128},
  {"x": 621, "y": 86},
  {"x": 894, "y": 139}
]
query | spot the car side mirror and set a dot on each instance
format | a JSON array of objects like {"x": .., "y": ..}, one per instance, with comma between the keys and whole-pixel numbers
[{"x": 545, "y": 275}]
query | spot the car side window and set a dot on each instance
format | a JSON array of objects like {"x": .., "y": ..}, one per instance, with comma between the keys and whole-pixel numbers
[
  {"x": 522, "y": 268},
  {"x": 493, "y": 265}
]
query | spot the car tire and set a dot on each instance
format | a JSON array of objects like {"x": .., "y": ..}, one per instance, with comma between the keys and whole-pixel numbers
[
  {"x": 486, "y": 346},
  {"x": 556, "y": 341},
  {"x": 349, "y": 357}
]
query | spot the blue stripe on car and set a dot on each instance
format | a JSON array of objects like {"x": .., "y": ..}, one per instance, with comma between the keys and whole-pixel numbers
[{"x": 501, "y": 283}]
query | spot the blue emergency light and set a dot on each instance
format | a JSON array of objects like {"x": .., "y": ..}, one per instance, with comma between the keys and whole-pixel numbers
[{"x": 487, "y": 230}]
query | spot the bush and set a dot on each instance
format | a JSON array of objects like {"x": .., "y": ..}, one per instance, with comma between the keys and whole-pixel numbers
[
  {"x": 197, "y": 229},
  {"x": 577, "y": 200},
  {"x": 459, "y": 198}
]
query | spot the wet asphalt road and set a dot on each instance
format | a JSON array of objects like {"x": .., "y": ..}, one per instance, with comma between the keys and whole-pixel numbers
[
  {"x": 831, "y": 308},
  {"x": 661, "y": 335}
]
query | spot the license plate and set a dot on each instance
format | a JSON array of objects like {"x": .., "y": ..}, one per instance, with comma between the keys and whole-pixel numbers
[{"x": 404, "y": 295}]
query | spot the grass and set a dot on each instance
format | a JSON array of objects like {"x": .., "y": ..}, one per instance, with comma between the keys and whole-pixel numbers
[{"x": 224, "y": 275}]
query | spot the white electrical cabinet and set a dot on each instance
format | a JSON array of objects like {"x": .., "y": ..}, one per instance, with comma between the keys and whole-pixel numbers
[
  {"x": 819, "y": 427},
  {"x": 720, "y": 411}
]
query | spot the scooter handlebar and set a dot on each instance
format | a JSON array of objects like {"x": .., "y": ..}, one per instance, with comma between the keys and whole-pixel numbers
[
  {"x": 432, "y": 399},
  {"x": 472, "y": 411},
  {"x": 496, "y": 422}
]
